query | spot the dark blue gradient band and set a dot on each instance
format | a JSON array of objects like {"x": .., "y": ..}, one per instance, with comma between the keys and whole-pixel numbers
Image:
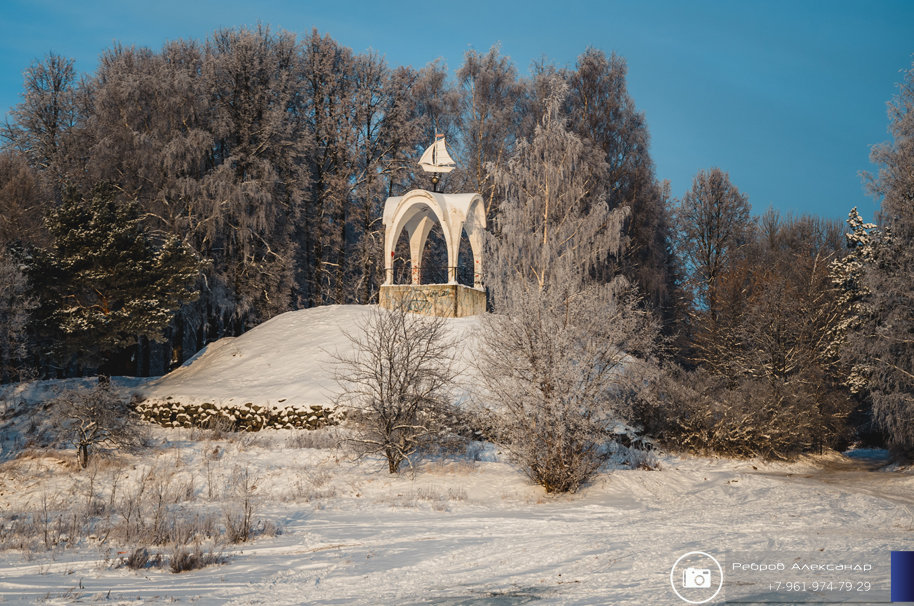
[{"x": 903, "y": 576}]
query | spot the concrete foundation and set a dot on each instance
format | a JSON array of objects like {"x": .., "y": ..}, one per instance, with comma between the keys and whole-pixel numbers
[{"x": 445, "y": 300}]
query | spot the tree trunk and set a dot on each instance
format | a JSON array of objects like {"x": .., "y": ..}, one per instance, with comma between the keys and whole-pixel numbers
[
  {"x": 393, "y": 461},
  {"x": 82, "y": 455}
]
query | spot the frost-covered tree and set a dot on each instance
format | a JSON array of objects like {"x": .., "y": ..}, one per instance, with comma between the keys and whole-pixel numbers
[
  {"x": 255, "y": 188},
  {"x": 883, "y": 342},
  {"x": 601, "y": 109},
  {"x": 327, "y": 88},
  {"x": 103, "y": 284},
  {"x": 22, "y": 202},
  {"x": 394, "y": 384},
  {"x": 46, "y": 114},
  {"x": 556, "y": 345},
  {"x": 492, "y": 104},
  {"x": 208, "y": 139}
]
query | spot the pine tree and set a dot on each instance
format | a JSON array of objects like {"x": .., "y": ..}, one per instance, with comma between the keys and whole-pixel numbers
[
  {"x": 882, "y": 345},
  {"x": 15, "y": 306},
  {"x": 103, "y": 283}
]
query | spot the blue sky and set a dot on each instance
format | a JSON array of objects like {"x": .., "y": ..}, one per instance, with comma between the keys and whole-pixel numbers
[{"x": 787, "y": 96}]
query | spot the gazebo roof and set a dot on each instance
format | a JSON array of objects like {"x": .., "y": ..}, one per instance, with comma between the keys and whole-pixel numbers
[{"x": 446, "y": 202}]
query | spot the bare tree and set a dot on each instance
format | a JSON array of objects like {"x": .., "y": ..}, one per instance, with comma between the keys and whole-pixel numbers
[
  {"x": 492, "y": 108},
  {"x": 713, "y": 222},
  {"x": 46, "y": 114},
  {"x": 713, "y": 226},
  {"x": 92, "y": 417},
  {"x": 557, "y": 345},
  {"x": 394, "y": 383}
]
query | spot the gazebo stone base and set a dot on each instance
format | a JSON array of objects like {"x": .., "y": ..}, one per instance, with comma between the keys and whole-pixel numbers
[{"x": 445, "y": 300}]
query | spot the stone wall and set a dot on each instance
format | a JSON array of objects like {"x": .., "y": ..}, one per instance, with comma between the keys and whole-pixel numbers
[
  {"x": 445, "y": 300},
  {"x": 236, "y": 417}
]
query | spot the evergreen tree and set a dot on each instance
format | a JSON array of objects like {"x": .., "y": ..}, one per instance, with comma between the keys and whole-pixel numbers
[
  {"x": 15, "y": 306},
  {"x": 882, "y": 344},
  {"x": 103, "y": 283},
  {"x": 847, "y": 275}
]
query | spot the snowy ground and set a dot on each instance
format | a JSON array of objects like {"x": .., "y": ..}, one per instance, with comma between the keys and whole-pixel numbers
[
  {"x": 461, "y": 531},
  {"x": 458, "y": 530}
]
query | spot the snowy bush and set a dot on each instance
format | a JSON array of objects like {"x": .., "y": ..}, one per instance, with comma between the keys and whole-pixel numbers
[
  {"x": 150, "y": 517},
  {"x": 183, "y": 559},
  {"x": 702, "y": 412}
]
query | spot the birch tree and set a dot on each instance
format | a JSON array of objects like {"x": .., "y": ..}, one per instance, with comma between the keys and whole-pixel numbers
[{"x": 556, "y": 346}]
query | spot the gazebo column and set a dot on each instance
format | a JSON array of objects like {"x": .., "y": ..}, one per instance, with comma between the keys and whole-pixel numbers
[
  {"x": 475, "y": 238},
  {"x": 475, "y": 226},
  {"x": 453, "y": 248},
  {"x": 418, "y": 230}
]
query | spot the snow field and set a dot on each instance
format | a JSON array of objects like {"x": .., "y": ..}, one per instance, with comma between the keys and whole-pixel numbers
[
  {"x": 463, "y": 529},
  {"x": 453, "y": 531}
]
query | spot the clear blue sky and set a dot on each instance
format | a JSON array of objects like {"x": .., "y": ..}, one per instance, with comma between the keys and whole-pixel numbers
[{"x": 787, "y": 96}]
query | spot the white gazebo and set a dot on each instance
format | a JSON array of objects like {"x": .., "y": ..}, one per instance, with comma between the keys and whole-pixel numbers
[{"x": 416, "y": 213}]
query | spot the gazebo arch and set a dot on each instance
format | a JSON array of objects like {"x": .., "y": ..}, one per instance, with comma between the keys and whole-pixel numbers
[{"x": 417, "y": 212}]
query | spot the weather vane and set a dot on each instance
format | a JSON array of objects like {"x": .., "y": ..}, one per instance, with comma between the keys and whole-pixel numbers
[{"x": 436, "y": 160}]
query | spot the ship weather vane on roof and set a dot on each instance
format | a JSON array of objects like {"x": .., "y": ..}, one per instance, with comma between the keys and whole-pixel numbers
[{"x": 436, "y": 160}]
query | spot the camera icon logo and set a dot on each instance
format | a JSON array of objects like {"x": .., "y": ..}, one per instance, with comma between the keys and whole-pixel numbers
[
  {"x": 693, "y": 578},
  {"x": 696, "y": 578}
]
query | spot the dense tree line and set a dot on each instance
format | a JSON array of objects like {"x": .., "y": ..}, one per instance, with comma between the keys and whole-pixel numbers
[
  {"x": 179, "y": 195},
  {"x": 269, "y": 157}
]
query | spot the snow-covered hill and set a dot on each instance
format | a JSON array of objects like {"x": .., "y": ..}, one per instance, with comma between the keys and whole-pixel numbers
[{"x": 286, "y": 361}]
